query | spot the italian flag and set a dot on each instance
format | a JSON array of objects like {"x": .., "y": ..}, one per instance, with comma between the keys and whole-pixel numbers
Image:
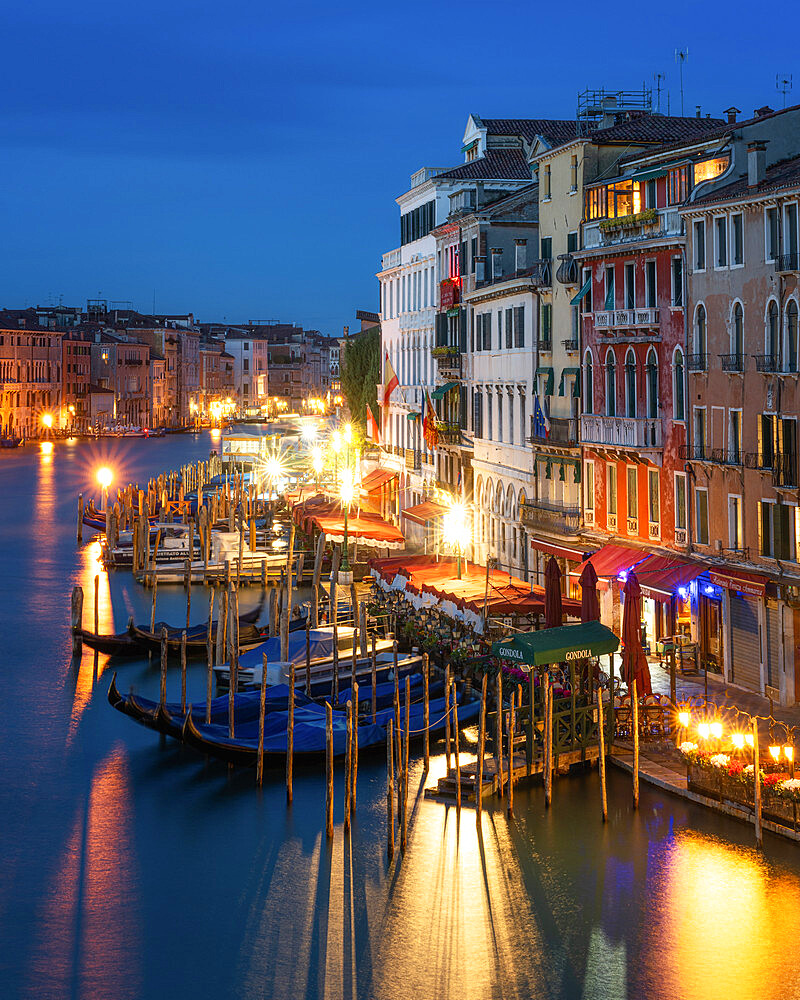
[
  {"x": 373, "y": 428},
  {"x": 390, "y": 379}
]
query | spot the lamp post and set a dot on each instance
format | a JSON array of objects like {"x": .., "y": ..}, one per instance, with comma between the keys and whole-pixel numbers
[
  {"x": 105, "y": 477},
  {"x": 455, "y": 530},
  {"x": 346, "y": 494},
  {"x": 47, "y": 422}
]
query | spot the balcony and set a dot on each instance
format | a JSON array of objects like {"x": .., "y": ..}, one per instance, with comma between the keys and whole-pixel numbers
[
  {"x": 733, "y": 363},
  {"x": 563, "y": 432},
  {"x": 631, "y": 228},
  {"x": 391, "y": 259},
  {"x": 766, "y": 363},
  {"x": 448, "y": 361},
  {"x": 788, "y": 262},
  {"x": 568, "y": 271},
  {"x": 412, "y": 459},
  {"x": 545, "y": 343},
  {"x": 570, "y": 346},
  {"x": 625, "y": 319},
  {"x": 540, "y": 273},
  {"x": 635, "y": 433},
  {"x": 550, "y": 517},
  {"x": 784, "y": 471},
  {"x": 696, "y": 362},
  {"x": 449, "y": 432}
]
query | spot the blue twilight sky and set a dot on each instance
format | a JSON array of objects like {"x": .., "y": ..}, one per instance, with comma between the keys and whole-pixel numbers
[{"x": 241, "y": 160}]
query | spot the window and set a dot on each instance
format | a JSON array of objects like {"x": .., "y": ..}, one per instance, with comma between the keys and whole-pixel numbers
[
  {"x": 586, "y": 302},
  {"x": 735, "y": 437},
  {"x": 546, "y": 191},
  {"x": 632, "y": 491},
  {"x": 489, "y": 415},
  {"x": 677, "y": 281},
  {"x": 588, "y": 486},
  {"x": 611, "y": 384},
  {"x": 737, "y": 240},
  {"x": 573, "y": 174},
  {"x": 547, "y": 248},
  {"x": 653, "y": 507},
  {"x": 487, "y": 331},
  {"x": 572, "y": 242},
  {"x": 588, "y": 386},
  {"x": 652, "y": 384},
  {"x": 766, "y": 440},
  {"x": 776, "y": 529},
  {"x": 701, "y": 516},
  {"x": 678, "y": 391},
  {"x": 699, "y": 232},
  {"x": 721, "y": 242},
  {"x": 611, "y": 489},
  {"x": 699, "y": 446},
  {"x": 246, "y": 346},
  {"x": 790, "y": 353},
  {"x": 519, "y": 326},
  {"x": 709, "y": 169},
  {"x": 650, "y": 194},
  {"x": 477, "y": 414},
  {"x": 790, "y": 231},
  {"x": 734, "y": 522},
  {"x": 246, "y": 364},
  {"x": 522, "y": 414},
  {"x": 737, "y": 330},
  {"x": 771, "y": 245},
  {"x": 630, "y": 287},
  {"x": 609, "y": 304},
  {"x": 500, "y": 416},
  {"x": 678, "y": 185},
  {"x": 771, "y": 335},
  {"x": 596, "y": 203},
  {"x": 474, "y": 251},
  {"x": 630, "y": 384},
  {"x": 545, "y": 335},
  {"x": 680, "y": 501},
  {"x": 700, "y": 341},
  {"x": 650, "y": 284}
]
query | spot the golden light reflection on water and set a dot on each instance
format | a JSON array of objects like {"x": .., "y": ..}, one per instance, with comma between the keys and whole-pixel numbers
[
  {"x": 732, "y": 926},
  {"x": 89, "y": 940},
  {"x": 91, "y": 665}
]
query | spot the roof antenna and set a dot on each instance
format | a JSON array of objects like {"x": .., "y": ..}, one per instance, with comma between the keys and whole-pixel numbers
[
  {"x": 783, "y": 84},
  {"x": 681, "y": 55},
  {"x": 658, "y": 77}
]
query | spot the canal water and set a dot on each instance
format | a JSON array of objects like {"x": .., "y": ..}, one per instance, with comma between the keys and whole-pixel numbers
[{"x": 132, "y": 867}]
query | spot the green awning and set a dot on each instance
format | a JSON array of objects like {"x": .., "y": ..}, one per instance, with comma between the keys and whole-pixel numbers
[
  {"x": 648, "y": 173},
  {"x": 550, "y": 377},
  {"x": 565, "y": 643},
  {"x": 565, "y": 374},
  {"x": 584, "y": 290},
  {"x": 413, "y": 415},
  {"x": 442, "y": 391}
]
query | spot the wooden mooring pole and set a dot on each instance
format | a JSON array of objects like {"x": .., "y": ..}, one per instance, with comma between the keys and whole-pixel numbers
[
  {"x": 481, "y": 747},
  {"x": 374, "y": 679},
  {"x": 209, "y": 655},
  {"x": 635, "y": 723},
  {"x": 77, "y": 620},
  {"x": 426, "y": 719},
  {"x": 348, "y": 767},
  {"x": 162, "y": 697},
  {"x": 96, "y": 604},
  {"x": 447, "y": 715},
  {"x": 389, "y": 790},
  {"x": 308, "y": 660},
  {"x": 183, "y": 671},
  {"x": 261, "y": 713},
  {"x": 455, "y": 737},
  {"x": 498, "y": 738},
  {"x": 404, "y": 834},
  {"x": 290, "y": 736},
  {"x": 355, "y": 743},
  {"x": 80, "y": 518},
  {"x": 328, "y": 771},
  {"x": 757, "y": 786},
  {"x": 510, "y": 796},
  {"x": 601, "y": 760}
]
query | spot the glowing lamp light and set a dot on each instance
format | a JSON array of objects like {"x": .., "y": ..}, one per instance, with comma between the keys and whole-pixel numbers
[
  {"x": 336, "y": 442},
  {"x": 788, "y": 752},
  {"x": 309, "y": 433},
  {"x": 348, "y": 433},
  {"x": 47, "y": 420},
  {"x": 716, "y": 730},
  {"x": 749, "y": 739},
  {"x": 709, "y": 590},
  {"x": 46, "y": 447},
  {"x": 105, "y": 477},
  {"x": 683, "y": 593},
  {"x": 775, "y": 753},
  {"x": 738, "y": 740},
  {"x": 704, "y": 730},
  {"x": 623, "y": 576},
  {"x": 683, "y": 718},
  {"x": 347, "y": 489}
]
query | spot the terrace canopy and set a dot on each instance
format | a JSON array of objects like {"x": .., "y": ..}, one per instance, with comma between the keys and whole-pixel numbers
[
  {"x": 365, "y": 525},
  {"x": 557, "y": 645}
]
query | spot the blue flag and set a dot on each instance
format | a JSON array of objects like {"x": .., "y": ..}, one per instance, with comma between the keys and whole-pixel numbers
[{"x": 541, "y": 421}]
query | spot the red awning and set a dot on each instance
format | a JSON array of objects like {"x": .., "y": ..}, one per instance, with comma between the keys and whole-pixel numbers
[
  {"x": 328, "y": 516},
  {"x": 612, "y": 560},
  {"x": 423, "y": 512},
  {"x": 738, "y": 579},
  {"x": 661, "y": 576},
  {"x": 560, "y": 551},
  {"x": 377, "y": 479}
]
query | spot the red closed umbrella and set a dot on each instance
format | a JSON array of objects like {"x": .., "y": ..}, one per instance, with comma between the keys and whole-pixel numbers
[
  {"x": 553, "y": 610},
  {"x": 634, "y": 662},
  {"x": 590, "y": 602}
]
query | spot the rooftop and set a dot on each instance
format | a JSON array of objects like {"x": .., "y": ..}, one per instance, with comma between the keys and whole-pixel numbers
[{"x": 785, "y": 174}]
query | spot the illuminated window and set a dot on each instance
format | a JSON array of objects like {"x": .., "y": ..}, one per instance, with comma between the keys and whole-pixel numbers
[
  {"x": 596, "y": 203},
  {"x": 709, "y": 169},
  {"x": 678, "y": 185}
]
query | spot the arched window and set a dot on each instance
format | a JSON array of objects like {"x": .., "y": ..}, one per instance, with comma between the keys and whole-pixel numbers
[
  {"x": 611, "y": 384},
  {"x": 737, "y": 330},
  {"x": 652, "y": 384},
  {"x": 678, "y": 394},
  {"x": 771, "y": 340},
  {"x": 791, "y": 336},
  {"x": 588, "y": 386},
  {"x": 700, "y": 339},
  {"x": 630, "y": 384}
]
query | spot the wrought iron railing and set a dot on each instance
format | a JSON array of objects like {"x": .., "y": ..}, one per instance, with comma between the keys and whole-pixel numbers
[
  {"x": 732, "y": 362},
  {"x": 697, "y": 362}
]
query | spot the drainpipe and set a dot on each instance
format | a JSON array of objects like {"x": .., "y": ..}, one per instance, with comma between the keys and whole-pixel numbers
[{"x": 687, "y": 468}]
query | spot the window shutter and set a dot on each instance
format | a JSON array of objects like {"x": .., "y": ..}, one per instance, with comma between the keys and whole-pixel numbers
[
  {"x": 462, "y": 330},
  {"x": 763, "y": 528},
  {"x": 484, "y": 243}
]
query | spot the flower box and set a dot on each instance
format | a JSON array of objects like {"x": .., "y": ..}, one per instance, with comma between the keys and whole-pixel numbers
[{"x": 716, "y": 783}]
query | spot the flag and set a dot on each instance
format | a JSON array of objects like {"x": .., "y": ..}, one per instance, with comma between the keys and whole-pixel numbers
[
  {"x": 541, "y": 419},
  {"x": 373, "y": 428},
  {"x": 460, "y": 483},
  {"x": 390, "y": 379},
  {"x": 429, "y": 431}
]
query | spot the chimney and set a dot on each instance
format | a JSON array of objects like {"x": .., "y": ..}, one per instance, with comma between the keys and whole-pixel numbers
[
  {"x": 756, "y": 163},
  {"x": 697, "y": 113},
  {"x": 479, "y": 197},
  {"x": 497, "y": 263},
  {"x": 760, "y": 112},
  {"x": 480, "y": 269},
  {"x": 520, "y": 255},
  {"x": 609, "y": 107},
  {"x": 732, "y": 113}
]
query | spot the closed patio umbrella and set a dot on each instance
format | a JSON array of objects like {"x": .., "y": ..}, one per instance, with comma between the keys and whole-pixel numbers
[
  {"x": 553, "y": 610},
  {"x": 590, "y": 603},
  {"x": 634, "y": 662}
]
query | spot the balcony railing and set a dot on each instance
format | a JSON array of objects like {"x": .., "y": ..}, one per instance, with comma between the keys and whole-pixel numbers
[
  {"x": 732, "y": 362},
  {"x": 449, "y": 433},
  {"x": 570, "y": 346},
  {"x": 766, "y": 362},
  {"x": 788, "y": 262},
  {"x": 448, "y": 362},
  {"x": 412, "y": 459},
  {"x": 563, "y": 431},
  {"x": 568, "y": 271},
  {"x": 697, "y": 362},
  {"x": 621, "y": 432},
  {"x": 617, "y": 319},
  {"x": 784, "y": 472},
  {"x": 552, "y": 517},
  {"x": 540, "y": 273},
  {"x": 545, "y": 343}
]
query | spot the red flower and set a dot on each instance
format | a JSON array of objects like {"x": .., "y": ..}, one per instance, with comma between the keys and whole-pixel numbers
[
  {"x": 735, "y": 769},
  {"x": 770, "y": 780}
]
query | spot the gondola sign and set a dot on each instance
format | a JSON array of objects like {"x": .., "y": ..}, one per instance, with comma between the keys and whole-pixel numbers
[{"x": 563, "y": 644}]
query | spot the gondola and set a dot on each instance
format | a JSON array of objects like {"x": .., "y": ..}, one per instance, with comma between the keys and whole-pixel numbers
[
  {"x": 121, "y": 644},
  {"x": 197, "y": 635}
]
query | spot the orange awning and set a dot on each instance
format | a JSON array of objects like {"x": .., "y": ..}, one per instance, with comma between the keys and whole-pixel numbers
[
  {"x": 376, "y": 480},
  {"x": 328, "y": 516},
  {"x": 423, "y": 512}
]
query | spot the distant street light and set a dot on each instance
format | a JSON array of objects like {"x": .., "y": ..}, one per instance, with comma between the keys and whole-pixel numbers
[{"x": 105, "y": 477}]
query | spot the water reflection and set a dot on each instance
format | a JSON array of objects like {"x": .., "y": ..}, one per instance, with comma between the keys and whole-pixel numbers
[
  {"x": 91, "y": 665},
  {"x": 88, "y": 937}
]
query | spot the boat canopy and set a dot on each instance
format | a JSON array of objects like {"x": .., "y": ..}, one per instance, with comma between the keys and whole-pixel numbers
[{"x": 557, "y": 645}]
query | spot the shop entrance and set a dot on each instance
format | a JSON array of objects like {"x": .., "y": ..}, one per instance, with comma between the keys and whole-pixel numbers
[{"x": 710, "y": 613}]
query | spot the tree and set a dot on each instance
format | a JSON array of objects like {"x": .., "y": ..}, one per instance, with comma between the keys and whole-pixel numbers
[{"x": 359, "y": 372}]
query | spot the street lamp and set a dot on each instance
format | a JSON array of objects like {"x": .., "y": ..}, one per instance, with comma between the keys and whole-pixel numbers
[
  {"x": 47, "y": 421},
  {"x": 455, "y": 529},
  {"x": 346, "y": 492},
  {"x": 316, "y": 462},
  {"x": 105, "y": 477}
]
